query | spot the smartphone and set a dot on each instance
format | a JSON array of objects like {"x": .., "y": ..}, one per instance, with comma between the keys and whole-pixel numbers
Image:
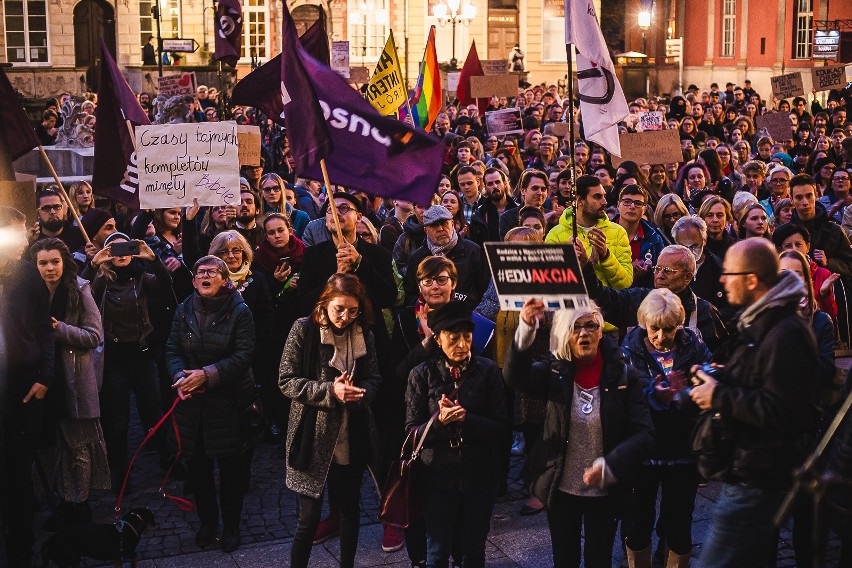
[
  {"x": 283, "y": 260},
  {"x": 124, "y": 248}
]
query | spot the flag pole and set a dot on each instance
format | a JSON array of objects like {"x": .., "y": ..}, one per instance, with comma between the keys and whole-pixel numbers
[
  {"x": 330, "y": 199},
  {"x": 569, "y": 48},
  {"x": 64, "y": 194}
]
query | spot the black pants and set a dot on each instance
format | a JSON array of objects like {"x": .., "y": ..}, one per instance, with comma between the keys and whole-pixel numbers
[
  {"x": 344, "y": 493},
  {"x": 234, "y": 477},
  {"x": 679, "y": 484},
  {"x": 568, "y": 517},
  {"x": 21, "y": 424},
  {"x": 415, "y": 540}
]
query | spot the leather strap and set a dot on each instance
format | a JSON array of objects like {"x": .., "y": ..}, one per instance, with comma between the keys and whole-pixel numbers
[{"x": 418, "y": 445}]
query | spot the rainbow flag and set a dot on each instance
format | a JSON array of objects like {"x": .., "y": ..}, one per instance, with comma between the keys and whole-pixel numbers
[{"x": 426, "y": 100}]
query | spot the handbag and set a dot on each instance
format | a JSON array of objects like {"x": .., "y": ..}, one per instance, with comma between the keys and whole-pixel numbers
[
  {"x": 399, "y": 507},
  {"x": 253, "y": 419},
  {"x": 713, "y": 445}
]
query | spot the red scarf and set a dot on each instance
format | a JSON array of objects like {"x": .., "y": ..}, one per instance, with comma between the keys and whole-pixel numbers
[
  {"x": 268, "y": 258},
  {"x": 587, "y": 373}
]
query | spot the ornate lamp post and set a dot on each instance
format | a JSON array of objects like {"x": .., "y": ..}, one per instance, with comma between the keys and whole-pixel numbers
[{"x": 452, "y": 12}]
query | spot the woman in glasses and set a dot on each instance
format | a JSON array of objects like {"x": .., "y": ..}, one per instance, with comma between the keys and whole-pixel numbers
[
  {"x": 330, "y": 372},
  {"x": 209, "y": 357},
  {"x": 669, "y": 209},
  {"x": 597, "y": 429},
  {"x": 664, "y": 351}
]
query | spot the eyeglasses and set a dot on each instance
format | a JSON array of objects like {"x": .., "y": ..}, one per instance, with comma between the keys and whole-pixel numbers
[
  {"x": 441, "y": 280},
  {"x": 590, "y": 327},
  {"x": 342, "y": 209},
  {"x": 49, "y": 208},
  {"x": 271, "y": 188},
  {"x": 666, "y": 270},
  {"x": 672, "y": 216},
  {"x": 694, "y": 248},
  {"x": 229, "y": 252},
  {"x": 632, "y": 203},
  {"x": 206, "y": 272},
  {"x": 364, "y": 235},
  {"x": 340, "y": 311},
  {"x": 779, "y": 181}
]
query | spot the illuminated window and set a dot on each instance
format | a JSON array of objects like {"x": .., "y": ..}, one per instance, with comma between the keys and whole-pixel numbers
[
  {"x": 368, "y": 29},
  {"x": 26, "y": 31},
  {"x": 169, "y": 20},
  {"x": 729, "y": 26},
  {"x": 255, "y": 30}
]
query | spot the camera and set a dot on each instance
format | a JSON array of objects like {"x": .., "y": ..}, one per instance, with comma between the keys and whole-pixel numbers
[{"x": 687, "y": 390}]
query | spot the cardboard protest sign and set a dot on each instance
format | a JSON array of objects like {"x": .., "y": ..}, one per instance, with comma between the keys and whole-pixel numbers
[
  {"x": 504, "y": 121},
  {"x": 249, "y": 140},
  {"x": 559, "y": 129},
  {"x": 340, "y": 58},
  {"x": 661, "y": 147},
  {"x": 487, "y": 86},
  {"x": 650, "y": 121},
  {"x": 174, "y": 85},
  {"x": 494, "y": 66},
  {"x": 827, "y": 78},
  {"x": 179, "y": 162},
  {"x": 787, "y": 86},
  {"x": 534, "y": 270},
  {"x": 453, "y": 82},
  {"x": 777, "y": 124},
  {"x": 359, "y": 75}
]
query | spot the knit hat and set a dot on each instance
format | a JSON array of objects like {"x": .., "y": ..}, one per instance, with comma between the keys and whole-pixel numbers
[
  {"x": 115, "y": 236},
  {"x": 93, "y": 220}
]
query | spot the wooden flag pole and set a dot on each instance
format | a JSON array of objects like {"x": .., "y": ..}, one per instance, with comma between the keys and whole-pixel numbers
[
  {"x": 64, "y": 194},
  {"x": 569, "y": 49},
  {"x": 410, "y": 114},
  {"x": 330, "y": 199}
]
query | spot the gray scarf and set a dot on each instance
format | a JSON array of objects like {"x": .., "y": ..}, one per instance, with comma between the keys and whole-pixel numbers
[
  {"x": 788, "y": 290},
  {"x": 438, "y": 250}
]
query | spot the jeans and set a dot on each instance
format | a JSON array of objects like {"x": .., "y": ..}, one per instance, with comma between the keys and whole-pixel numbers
[
  {"x": 741, "y": 531},
  {"x": 128, "y": 368},
  {"x": 444, "y": 498},
  {"x": 570, "y": 515},
  {"x": 234, "y": 477},
  {"x": 344, "y": 493},
  {"x": 679, "y": 484}
]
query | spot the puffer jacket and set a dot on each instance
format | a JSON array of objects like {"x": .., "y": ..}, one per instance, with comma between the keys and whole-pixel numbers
[
  {"x": 224, "y": 349},
  {"x": 319, "y": 391},
  {"x": 77, "y": 337},
  {"x": 673, "y": 422},
  {"x": 628, "y": 432},
  {"x": 616, "y": 270}
]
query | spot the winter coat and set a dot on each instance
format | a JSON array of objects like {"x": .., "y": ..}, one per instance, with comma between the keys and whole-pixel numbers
[
  {"x": 224, "y": 350},
  {"x": 616, "y": 270},
  {"x": 307, "y": 202},
  {"x": 472, "y": 268},
  {"x": 318, "y": 391},
  {"x": 829, "y": 237},
  {"x": 628, "y": 432},
  {"x": 673, "y": 422},
  {"x": 77, "y": 337},
  {"x": 486, "y": 422},
  {"x": 412, "y": 238}
]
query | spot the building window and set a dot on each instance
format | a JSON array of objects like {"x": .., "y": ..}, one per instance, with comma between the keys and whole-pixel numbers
[
  {"x": 552, "y": 32},
  {"x": 26, "y": 31},
  {"x": 729, "y": 26},
  {"x": 169, "y": 20},
  {"x": 255, "y": 30},
  {"x": 368, "y": 29},
  {"x": 804, "y": 29}
]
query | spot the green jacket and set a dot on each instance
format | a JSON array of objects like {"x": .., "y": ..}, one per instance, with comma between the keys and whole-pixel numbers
[{"x": 616, "y": 270}]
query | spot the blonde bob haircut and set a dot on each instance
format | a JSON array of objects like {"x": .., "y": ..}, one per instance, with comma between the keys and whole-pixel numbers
[
  {"x": 224, "y": 240},
  {"x": 563, "y": 328},
  {"x": 661, "y": 308}
]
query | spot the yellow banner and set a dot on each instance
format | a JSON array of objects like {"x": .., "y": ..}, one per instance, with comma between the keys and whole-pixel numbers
[{"x": 386, "y": 90}]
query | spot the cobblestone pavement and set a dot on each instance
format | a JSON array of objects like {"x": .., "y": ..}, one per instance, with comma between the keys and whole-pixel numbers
[{"x": 269, "y": 522}]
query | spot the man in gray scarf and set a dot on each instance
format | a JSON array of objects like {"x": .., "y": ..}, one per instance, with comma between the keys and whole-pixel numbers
[{"x": 766, "y": 398}]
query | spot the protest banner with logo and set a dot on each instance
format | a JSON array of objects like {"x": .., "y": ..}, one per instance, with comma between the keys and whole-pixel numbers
[
  {"x": 386, "y": 90},
  {"x": 181, "y": 162},
  {"x": 787, "y": 86},
  {"x": 504, "y": 121},
  {"x": 650, "y": 121},
  {"x": 777, "y": 124},
  {"x": 174, "y": 85},
  {"x": 661, "y": 147},
  {"x": 487, "y": 86},
  {"x": 827, "y": 78},
  {"x": 249, "y": 139},
  {"x": 340, "y": 58},
  {"x": 549, "y": 272}
]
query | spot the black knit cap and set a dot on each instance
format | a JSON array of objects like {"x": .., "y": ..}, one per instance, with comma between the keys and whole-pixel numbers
[{"x": 451, "y": 316}]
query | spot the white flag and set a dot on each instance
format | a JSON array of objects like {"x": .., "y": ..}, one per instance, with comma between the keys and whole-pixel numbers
[{"x": 602, "y": 102}]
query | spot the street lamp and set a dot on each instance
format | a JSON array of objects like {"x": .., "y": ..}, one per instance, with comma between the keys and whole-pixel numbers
[
  {"x": 644, "y": 25},
  {"x": 452, "y": 12}
]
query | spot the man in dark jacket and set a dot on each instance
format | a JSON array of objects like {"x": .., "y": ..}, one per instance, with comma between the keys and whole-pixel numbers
[
  {"x": 766, "y": 400},
  {"x": 26, "y": 371},
  {"x": 479, "y": 210},
  {"x": 443, "y": 240},
  {"x": 829, "y": 244},
  {"x": 53, "y": 221},
  {"x": 412, "y": 238},
  {"x": 533, "y": 184}
]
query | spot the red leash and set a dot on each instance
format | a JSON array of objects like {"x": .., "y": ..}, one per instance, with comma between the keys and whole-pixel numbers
[{"x": 183, "y": 504}]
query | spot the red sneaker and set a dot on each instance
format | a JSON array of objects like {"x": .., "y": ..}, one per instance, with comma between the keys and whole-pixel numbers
[
  {"x": 329, "y": 527},
  {"x": 393, "y": 539}
]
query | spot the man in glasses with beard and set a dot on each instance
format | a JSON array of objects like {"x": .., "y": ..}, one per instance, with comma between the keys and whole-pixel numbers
[{"x": 53, "y": 221}]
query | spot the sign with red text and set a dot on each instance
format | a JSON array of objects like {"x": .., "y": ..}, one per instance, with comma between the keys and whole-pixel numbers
[{"x": 174, "y": 85}]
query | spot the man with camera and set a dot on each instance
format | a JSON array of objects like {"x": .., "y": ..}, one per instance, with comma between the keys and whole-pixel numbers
[{"x": 764, "y": 401}]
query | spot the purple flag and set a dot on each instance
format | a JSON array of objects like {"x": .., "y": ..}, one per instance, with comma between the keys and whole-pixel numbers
[
  {"x": 228, "y": 31},
  {"x": 114, "y": 173},
  {"x": 315, "y": 41},
  {"x": 17, "y": 128},
  {"x": 376, "y": 154}
]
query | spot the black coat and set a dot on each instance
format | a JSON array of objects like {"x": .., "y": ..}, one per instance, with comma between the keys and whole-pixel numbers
[
  {"x": 706, "y": 285},
  {"x": 828, "y": 236},
  {"x": 628, "y": 432},
  {"x": 474, "y": 274},
  {"x": 228, "y": 344}
]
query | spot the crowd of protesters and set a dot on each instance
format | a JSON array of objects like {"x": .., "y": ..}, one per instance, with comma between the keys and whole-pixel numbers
[{"x": 735, "y": 255}]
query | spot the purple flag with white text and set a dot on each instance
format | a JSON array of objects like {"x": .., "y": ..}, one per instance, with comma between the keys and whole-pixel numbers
[{"x": 228, "y": 32}]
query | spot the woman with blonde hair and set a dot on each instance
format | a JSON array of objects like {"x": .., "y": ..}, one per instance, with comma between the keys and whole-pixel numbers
[{"x": 669, "y": 209}]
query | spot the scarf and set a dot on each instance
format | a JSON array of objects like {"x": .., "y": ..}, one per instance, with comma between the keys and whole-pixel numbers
[
  {"x": 267, "y": 258},
  {"x": 442, "y": 250},
  {"x": 242, "y": 277},
  {"x": 788, "y": 290},
  {"x": 348, "y": 346},
  {"x": 206, "y": 308}
]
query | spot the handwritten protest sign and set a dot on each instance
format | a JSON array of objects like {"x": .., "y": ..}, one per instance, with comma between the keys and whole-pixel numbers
[
  {"x": 249, "y": 140},
  {"x": 558, "y": 129},
  {"x": 504, "y": 121},
  {"x": 494, "y": 66},
  {"x": 549, "y": 272},
  {"x": 777, "y": 124},
  {"x": 174, "y": 85},
  {"x": 340, "y": 57},
  {"x": 651, "y": 120},
  {"x": 487, "y": 86},
  {"x": 827, "y": 78},
  {"x": 179, "y": 162},
  {"x": 787, "y": 86},
  {"x": 662, "y": 147},
  {"x": 453, "y": 82}
]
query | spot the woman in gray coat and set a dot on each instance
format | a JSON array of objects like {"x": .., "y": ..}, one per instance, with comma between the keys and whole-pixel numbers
[
  {"x": 329, "y": 371},
  {"x": 81, "y": 461}
]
